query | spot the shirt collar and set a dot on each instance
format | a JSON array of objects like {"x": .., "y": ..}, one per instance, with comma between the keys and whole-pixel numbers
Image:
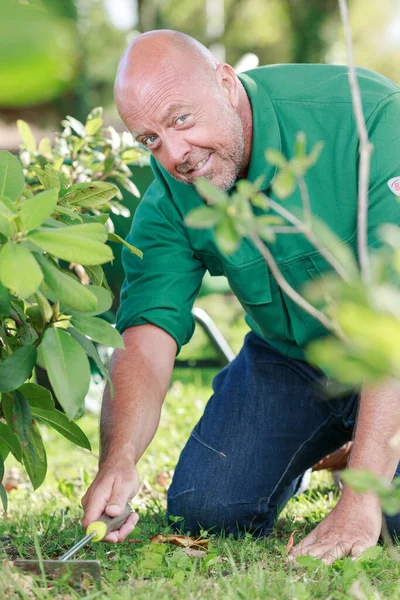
[{"x": 265, "y": 130}]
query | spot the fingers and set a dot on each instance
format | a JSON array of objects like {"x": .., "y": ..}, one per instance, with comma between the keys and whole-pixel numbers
[
  {"x": 116, "y": 537},
  {"x": 357, "y": 549},
  {"x": 95, "y": 500},
  {"x": 109, "y": 493}
]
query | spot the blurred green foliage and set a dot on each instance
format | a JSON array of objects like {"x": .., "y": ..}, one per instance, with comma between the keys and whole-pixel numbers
[
  {"x": 38, "y": 52},
  {"x": 66, "y": 52}
]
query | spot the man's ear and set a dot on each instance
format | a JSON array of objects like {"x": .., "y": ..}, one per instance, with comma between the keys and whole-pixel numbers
[{"x": 228, "y": 83}]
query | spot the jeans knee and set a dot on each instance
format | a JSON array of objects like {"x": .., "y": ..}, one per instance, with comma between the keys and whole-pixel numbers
[{"x": 199, "y": 513}]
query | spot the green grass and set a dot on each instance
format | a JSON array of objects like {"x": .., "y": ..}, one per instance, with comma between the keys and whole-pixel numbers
[{"x": 49, "y": 519}]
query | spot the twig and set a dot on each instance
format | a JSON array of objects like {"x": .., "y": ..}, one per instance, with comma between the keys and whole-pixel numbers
[
  {"x": 293, "y": 295},
  {"x": 302, "y": 227},
  {"x": 365, "y": 151},
  {"x": 305, "y": 198}
]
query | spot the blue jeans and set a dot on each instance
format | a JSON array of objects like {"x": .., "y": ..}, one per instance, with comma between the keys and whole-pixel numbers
[{"x": 269, "y": 420}]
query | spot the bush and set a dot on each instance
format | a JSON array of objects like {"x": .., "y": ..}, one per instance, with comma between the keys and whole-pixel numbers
[{"x": 54, "y": 217}]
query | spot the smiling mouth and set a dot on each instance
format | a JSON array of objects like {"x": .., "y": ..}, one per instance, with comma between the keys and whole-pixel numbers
[
  {"x": 201, "y": 167},
  {"x": 200, "y": 164}
]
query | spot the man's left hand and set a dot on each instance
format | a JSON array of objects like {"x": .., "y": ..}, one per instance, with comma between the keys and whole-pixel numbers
[{"x": 354, "y": 525}]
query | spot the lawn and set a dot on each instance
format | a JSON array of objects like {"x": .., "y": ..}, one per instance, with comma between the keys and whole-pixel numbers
[{"x": 48, "y": 520}]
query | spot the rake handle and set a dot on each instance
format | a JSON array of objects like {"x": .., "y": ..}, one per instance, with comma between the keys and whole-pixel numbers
[{"x": 105, "y": 524}]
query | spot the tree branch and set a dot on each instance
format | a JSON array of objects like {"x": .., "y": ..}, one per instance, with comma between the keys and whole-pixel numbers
[
  {"x": 281, "y": 210},
  {"x": 293, "y": 295},
  {"x": 365, "y": 152}
]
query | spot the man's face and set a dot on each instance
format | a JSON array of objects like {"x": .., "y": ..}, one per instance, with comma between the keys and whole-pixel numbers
[{"x": 190, "y": 127}]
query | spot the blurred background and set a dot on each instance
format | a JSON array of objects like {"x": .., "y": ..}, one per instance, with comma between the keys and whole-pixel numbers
[{"x": 59, "y": 57}]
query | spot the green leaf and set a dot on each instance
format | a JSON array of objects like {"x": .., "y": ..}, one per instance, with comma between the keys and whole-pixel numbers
[
  {"x": 67, "y": 367},
  {"x": 309, "y": 562},
  {"x": 91, "y": 194},
  {"x": 314, "y": 155},
  {"x": 275, "y": 158},
  {"x": 98, "y": 330},
  {"x": 127, "y": 184},
  {"x": 104, "y": 301},
  {"x": 27, "y": 136},
  {"x": 66, "y": 288},
  {"x": 7, "y": 403},
  {"x": 4, "y": 451},
  {"x": 300, "y": 146},
  {"x": 44, "y": 148},
  {"x": 5, "y": 300},
  {"x": 75, "y": 125},
  {"x": 263, "y": 227},
  {"x": 53, "y": 178},
  {"x": 95, "y": 274},
  {"x": 361, "y": 480},
  {"x": 12, "y": 178},
  {"x": 60, "y": 422},
  {"x": 22, "y": 418},
  {"x": 83, "y": 244},
  {"x": 203, "y": 217},
  {"x": 44, "y": 306},
  {"x": 113, "y": 237},
  {"x": 93, "y": 125},
  {"x": 211, "y": 193},
  {"x": 19, "y": 271},
  {"x": 3, "y": 496},
  {"x": 37, "y": 395},
  {"x": 91, "y": 351},
  {"x": 131, "y": 155},
  {"x": 11, "y": 440},
  {"x": 36, "y": 210},
  {"x": 34, "y": 457},
  {"x": 226, "y": 237},
  {"x": 7, "y": 207},
  {"x": 336, "y": 247},
  {"x": 284, "y": 184},
  {"x": 17, "y": 368},
  {"x": 8, "y": 217},
  {"x": 370, "y": 554}
]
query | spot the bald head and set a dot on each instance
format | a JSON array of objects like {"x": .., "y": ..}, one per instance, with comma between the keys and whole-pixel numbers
[
  {"x": 151, "y": 52},
  {"x": 174, "y": 96}
]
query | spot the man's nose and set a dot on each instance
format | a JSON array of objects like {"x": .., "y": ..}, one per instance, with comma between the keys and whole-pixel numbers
[{"x": 178, "y": 149}]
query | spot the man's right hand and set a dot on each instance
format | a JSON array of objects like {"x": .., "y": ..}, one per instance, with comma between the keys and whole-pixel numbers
[{"x": 116, "y": 483}]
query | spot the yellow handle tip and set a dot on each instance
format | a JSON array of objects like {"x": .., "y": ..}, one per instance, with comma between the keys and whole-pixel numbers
[{"x": 99, "y": 528}]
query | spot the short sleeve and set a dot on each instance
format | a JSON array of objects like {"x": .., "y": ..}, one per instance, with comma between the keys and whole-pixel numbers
[
  {"x": 160, "y": 288},
  {"x": 384, "y": 132}
]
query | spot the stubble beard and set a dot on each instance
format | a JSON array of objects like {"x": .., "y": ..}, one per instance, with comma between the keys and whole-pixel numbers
[{"x": 224, "y": 177}]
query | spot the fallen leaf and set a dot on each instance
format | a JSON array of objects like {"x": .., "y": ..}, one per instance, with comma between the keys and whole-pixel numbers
[
  {"x": 290, "y": 543},
  {"x": 163, "y": 479},
  {"x": 180, "y": 540},
  {"x": 132, "y": 541},
  {"x": 194, "y": 553}
]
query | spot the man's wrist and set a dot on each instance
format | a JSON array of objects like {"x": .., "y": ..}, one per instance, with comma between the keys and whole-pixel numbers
[
  {"x": 114, "y": 456},
  {"x": 358, "y": 500}
]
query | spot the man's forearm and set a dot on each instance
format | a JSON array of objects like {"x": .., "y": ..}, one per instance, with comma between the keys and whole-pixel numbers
[
  {"x": 140, "y": 375},
  {"x": 378, "y": 420}
]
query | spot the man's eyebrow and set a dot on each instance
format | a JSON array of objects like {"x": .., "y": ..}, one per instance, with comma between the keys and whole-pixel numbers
[{"x": 169, "y": 111}]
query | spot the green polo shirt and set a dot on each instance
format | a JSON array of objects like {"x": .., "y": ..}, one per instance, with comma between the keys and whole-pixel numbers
[{"x": 285, "y": 99}]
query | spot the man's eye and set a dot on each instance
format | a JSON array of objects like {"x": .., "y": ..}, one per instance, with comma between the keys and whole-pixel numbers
[
  {"x": 149, "y": 140},
  {"x": 181, "y": 119}
]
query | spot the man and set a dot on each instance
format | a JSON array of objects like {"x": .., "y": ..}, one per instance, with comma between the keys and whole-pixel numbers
[{"x": 270, "y": 417}]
